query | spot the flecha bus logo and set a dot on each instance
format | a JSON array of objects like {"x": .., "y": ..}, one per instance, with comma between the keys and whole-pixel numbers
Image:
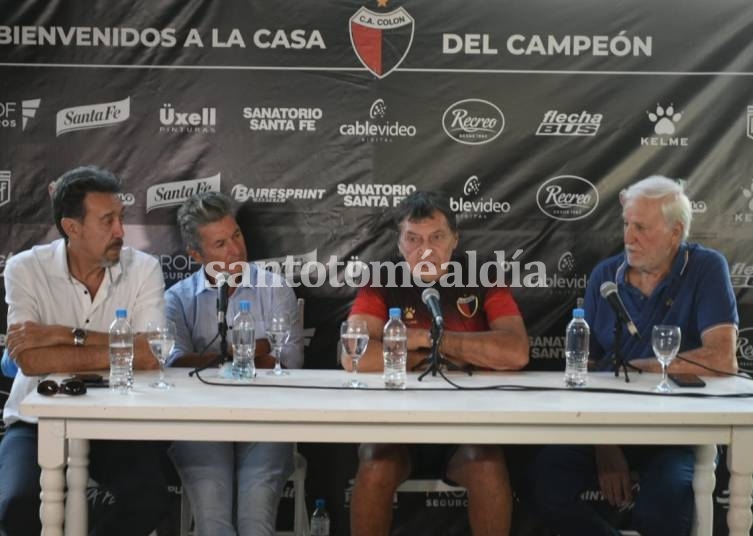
[{"x": 381, "y": 40}]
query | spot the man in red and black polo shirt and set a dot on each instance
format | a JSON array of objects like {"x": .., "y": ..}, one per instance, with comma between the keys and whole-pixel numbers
[{"x": 483, "y": 328}]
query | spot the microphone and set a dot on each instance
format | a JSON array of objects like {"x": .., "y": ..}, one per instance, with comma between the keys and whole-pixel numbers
[
  {"x": 609, "y": 292},
  {"x": 430, "y": 297},
  {"x": 222, "y": 291}
]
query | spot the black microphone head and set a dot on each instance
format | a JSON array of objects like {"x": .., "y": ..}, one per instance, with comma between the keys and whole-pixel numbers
[
  {"x": 607, "y": 288},
  {"x": 428, "y": 294}
]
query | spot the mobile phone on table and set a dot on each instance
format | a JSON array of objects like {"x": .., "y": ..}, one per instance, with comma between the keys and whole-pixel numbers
[
  {"x": 687, "y": 380},
  {"x": 90, "y": 379}
]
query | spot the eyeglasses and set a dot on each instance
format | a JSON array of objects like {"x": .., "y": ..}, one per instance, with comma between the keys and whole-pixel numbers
[{"x": 71, "y": 387}]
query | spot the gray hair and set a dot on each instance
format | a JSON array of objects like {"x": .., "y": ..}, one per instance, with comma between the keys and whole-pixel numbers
[
  {"x": 199, "y": 210},
  {"x": 676, "y": 208}
]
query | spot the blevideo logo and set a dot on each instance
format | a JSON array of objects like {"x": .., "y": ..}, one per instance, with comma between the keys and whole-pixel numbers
[
  {"x": 92, "y": 116},
  {"x": 472, "y": 206},
  {"x": 473, "y": 121},
  {"x": 381, "y": 41}
]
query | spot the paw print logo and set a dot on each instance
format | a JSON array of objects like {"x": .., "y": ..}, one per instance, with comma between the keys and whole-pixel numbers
[
  {"x": 410, "y": 314},
  {"x": 748, "y": 193},
  {"x": 664, "y": 119},
  {"x": 378, "y": 109}
]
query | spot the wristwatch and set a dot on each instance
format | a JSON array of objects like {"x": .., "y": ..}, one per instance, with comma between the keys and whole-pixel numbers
[{"x": 79, "y": 336}]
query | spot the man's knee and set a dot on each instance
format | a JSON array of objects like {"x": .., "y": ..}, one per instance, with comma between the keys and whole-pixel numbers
[
  {"x": 384, "y": 465},
  {"x": 478, "y": 464}
]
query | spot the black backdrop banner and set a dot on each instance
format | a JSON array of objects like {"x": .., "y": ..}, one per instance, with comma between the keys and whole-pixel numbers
[{"x": 317, "y": 117}]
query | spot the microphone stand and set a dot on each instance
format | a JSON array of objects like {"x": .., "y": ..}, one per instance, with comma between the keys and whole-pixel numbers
[
  {"x": 619, "y": 359},
  {"x": 435, "y": 360},
  {"x": 223, "y": 356}
]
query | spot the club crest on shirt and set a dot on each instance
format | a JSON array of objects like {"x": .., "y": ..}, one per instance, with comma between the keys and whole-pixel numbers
[{"x": 468, "y": 305}]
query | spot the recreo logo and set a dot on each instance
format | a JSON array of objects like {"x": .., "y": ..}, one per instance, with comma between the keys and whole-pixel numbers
[
  {"x": 567, "y": 198},
  {"x": 473, "y": 121}
]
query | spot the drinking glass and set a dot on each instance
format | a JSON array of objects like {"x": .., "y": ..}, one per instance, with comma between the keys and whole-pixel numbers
[
  {"x": 354, "y": 336},
  {"x": 278, "y": 333},
  {"x": 161, "y": 338},
  {"x": 666, "y": 343}
]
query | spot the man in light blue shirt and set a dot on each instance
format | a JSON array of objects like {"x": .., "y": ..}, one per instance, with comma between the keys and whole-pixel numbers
[{"x": 211, "y": 470}]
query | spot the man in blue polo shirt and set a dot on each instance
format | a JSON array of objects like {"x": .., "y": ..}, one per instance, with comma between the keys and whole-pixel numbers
[{"x": 662, "y": 279}]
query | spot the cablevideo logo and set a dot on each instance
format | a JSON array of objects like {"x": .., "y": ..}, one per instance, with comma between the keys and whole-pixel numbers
[
  {"x": 381, "y": 41},
  {"x": 170, "y": 194},
  {"x": 9, "y": 112},
  {"x": 555, "y": 123},
  {"x": 378, "y": 128},
  {"x": 567, "y": 198},
  {"x": 181, "y": 122},
  {"x": 566, "y": 278},
  {"x": 473, "y": 121},
  {"x": 664, "y": 121},
  {"x": 92, "y": 116},
  {"x": 4, "y": 187},
  {"x": 472, "y": 206}
]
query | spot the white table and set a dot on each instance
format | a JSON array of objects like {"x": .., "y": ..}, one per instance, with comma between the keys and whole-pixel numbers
[{"x": 253, "y": 413}]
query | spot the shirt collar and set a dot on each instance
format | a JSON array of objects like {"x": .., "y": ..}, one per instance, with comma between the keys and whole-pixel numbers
[
  {"x": 60, "y": 262},
  {"x": 679, "y": 264},
  {"x": 202, "y": 283}
]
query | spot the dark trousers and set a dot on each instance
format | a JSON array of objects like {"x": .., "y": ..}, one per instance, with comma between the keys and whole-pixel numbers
[
  {"x": 664, "y": 505},
  {"x": 131, "y": 470}
]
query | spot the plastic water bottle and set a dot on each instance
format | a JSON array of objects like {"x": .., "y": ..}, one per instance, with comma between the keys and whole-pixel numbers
[
  {"x": 320, "y": 519},
  {"x": 244, "y": 342},
  {"x": 121, "y": 353},
  {"x": 395, "y": 351},
  {"x": 576, "y": 350}
]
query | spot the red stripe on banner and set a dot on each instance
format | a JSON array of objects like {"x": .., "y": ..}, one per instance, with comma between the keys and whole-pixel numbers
[{"x": 368, "y": 42}]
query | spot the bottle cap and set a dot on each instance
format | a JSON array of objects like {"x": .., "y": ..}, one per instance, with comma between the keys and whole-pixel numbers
[
  {"x": 395, "y": 312},
  {"x": 319, "y": 503},
  {"x": 121, "y": 313},
  {"x": 578, "y": 313},
  {"x": 245, "y": 306}
]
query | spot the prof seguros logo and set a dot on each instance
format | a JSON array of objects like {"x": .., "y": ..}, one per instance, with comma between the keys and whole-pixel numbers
[
  {"x": 567, "y": 198},
  {"x": 473, "y": 121}
]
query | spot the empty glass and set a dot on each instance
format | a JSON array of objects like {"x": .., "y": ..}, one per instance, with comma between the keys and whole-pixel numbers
[
  {"x": 161, "y": 338},
  {"x": 278, "y": 333},
  {"x": 665, "y": 341}
]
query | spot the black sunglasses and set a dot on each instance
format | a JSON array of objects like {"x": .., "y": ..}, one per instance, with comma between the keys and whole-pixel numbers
[{"x": 71, "y": 387}]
